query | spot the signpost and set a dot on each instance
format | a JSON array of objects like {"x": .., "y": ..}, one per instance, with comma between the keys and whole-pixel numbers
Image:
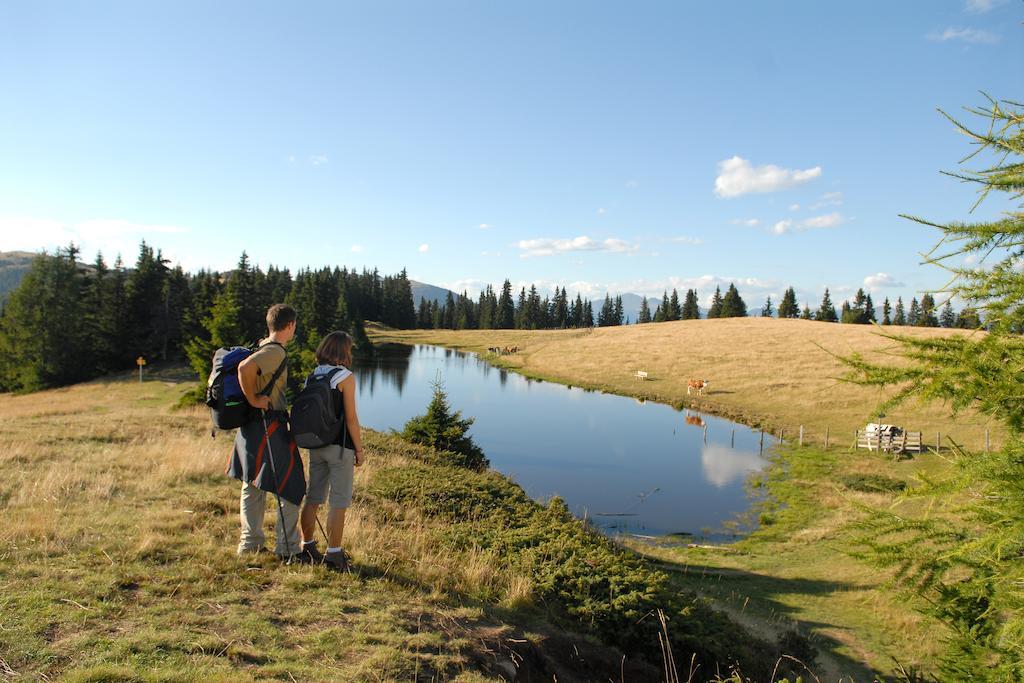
[{"x": 140, "y": 361}]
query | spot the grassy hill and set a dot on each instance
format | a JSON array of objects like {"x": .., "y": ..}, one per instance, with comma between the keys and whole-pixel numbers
[
  {"x": 117, "y": 563},
  {"x": 777, "y": 374}
]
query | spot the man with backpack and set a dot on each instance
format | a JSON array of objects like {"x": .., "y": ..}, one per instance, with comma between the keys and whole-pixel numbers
[{"x": 265, "y": 457}]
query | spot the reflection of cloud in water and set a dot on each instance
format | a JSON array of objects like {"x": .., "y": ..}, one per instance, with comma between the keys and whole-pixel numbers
[{"x": 723, "y": 465}]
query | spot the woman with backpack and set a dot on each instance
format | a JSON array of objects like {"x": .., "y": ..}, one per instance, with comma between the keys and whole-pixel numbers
[{"x": 331, "y": 465}]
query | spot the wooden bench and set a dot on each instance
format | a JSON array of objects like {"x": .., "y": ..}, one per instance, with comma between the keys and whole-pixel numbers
[{"x": 640, "y": 374}]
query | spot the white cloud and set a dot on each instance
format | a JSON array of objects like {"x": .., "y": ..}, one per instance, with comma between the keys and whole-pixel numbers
[
  {"x": 794, "y": 207},
  {"x": 737, "y": 176},
  {"x": 318, "y": 159},
  {"x": 357, "y": 249},
  {"x": 880, "y": 280},
  {"x": 632, "y": 184},
  {"x": 829, "y": 220},
  {"x": 749, "y": 222},
  {"x": 966, "y": 35},
  {"x": 723, "y": 465},
  {"x": 981, "y": 6},
  {"x": 828, "y": 199},
  {"x": 546, "y": 246},
  {"x": 424, "y": 248},
  {"x": 601, "y": 211},
  {"x": 683, "y": 239},
  {"x": 486, "y": 226}
]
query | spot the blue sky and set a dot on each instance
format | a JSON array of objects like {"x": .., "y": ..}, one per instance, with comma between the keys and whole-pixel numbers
[{"x": 602, "y": 146}]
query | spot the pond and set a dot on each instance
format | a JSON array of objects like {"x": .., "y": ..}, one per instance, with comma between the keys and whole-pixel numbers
[{"x": 626, "y": 465}]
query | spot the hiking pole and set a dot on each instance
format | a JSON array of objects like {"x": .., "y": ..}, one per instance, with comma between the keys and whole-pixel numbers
[{"x": 273, "y": 476}]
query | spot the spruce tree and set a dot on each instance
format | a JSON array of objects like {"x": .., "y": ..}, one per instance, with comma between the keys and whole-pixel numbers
[
  {"x": 445, "y": 430},
  {"x": 788, "y": 307},
  {"x": 675, "y": 311},
  {"x": 506, "y": 312},
  {"x": 914, "y": 312},
  {"x": 826, "y": 311},
  {"x": 767, "y": 311},
  {"x": 733, "y": 305},
  {"x": 691, "y": 309},
  {"x": 927, "y": 317},
  {"x": 716, "y": 304},
  {"x": 806, "y": 313},
  {"x": 967, "y": 567},
  {"x": 645, "y": 312},
  {"x": 899, "y": 317},
  {"x": 661, "y": 313},
  {"x": 886, "y": 312},
  {"x": 968, "y": 319},
  {"x": 947, "y": 318}
]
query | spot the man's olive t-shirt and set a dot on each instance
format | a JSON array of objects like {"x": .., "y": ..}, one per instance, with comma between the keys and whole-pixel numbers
[{"x": 267, "y": 358}]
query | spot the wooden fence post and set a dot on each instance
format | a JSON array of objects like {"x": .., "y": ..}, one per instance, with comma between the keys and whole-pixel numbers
[
  {"x": 826, "y": 438},
  {"x": 854, "y": 447},
  {"x": 986, "y": 440},
  {"x": 732, "y": 441},
  {"x": 762, "y": 442},
  {"x": 782, "y": 434},
  {"x": 938, "y": 441},
  {"x": 801, "y": 435}
]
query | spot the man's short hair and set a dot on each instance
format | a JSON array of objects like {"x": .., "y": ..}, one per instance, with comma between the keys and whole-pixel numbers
[{"x": 280, "y": 316}]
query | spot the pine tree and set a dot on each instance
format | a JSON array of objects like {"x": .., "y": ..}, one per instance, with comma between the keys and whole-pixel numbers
[
  {"x": 767, "y": 311},
  {"x": 826, "y": 311},
  {"x": 587, "y": 319},
  {"x": 947, "y": 318},
  {"x": 506, "y": 312},
  {"x": 645, "y": 312},
  {"x": 914, "y": 312},
  {"x": 41, "y": 330},
  {"x": 675, "y": 311},
  {"x": 445, "y": 430},
  {"x": 716, "y": 304},
  {"x": 967, "y": 568},
  {"x": 968, "y": 319},
  {"x": 691, "y": 309},
  {"x": 733, "y": 305},
  {"x": 806, "y": 313},
  {"x": 788, "y": 307},
  {"x": 661, "y": 313},
  {"x": 886, "y": 312},
  {"x": 869, "y": 310},
  {"x": 899, "y": 317},
  {"x": 927, "y": 317}
]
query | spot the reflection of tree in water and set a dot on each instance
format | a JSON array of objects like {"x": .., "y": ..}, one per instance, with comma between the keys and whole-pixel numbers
[{"x": 390, "y": 363}]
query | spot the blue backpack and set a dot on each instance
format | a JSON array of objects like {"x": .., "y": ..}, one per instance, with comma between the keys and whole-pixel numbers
[{"x": 229, "y": 408}]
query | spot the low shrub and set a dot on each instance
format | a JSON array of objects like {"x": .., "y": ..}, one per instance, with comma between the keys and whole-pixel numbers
[
  {"x": 583, "y": 578},
  {"x": 872, "y": 483}
]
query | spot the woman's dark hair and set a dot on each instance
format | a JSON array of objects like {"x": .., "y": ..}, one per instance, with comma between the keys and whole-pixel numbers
[{"x": 335, "y": 349}]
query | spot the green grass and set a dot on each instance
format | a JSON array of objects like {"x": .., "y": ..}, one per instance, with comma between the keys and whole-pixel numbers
[
  {"x": 117, "y": 563},
  {"x": 797, "y": 572}
]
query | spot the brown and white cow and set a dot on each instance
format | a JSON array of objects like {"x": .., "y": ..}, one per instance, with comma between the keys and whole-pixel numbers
[{"x": 697, "y": 384}]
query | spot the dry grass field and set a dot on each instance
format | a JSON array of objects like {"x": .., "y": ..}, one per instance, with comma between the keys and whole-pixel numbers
[
  {"x": 776, "y": 374},
  {"x": 117, "y": 563}
]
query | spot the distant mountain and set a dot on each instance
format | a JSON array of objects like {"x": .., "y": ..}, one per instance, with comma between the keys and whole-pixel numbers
[
  {"x": 13, "y": 266},
  {"x": 421, "y": 290}
]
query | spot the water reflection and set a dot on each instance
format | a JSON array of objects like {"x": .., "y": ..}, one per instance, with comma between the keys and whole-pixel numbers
[
  {"x": 625, "y": 465},
  {"x": 724, "y": 465}
]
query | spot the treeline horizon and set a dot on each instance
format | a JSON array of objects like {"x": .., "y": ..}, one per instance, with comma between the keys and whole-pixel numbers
[
  {"x": 66, "y": 323},
  {"x": 529, "y": 312}
]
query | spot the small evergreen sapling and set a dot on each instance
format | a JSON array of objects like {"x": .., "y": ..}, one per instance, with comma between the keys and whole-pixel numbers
[{"x": 445, "y": 430}]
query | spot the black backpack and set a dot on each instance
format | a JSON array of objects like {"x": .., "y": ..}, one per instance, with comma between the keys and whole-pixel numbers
[
  {"x": 315, "y": 420},
  {"x": 229, "y": 408}
]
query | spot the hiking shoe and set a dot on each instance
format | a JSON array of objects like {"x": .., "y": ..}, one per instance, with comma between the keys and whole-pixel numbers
[
  {"x": 337, "y": 561},
  {"x": 244, "y": 552},
  {"x": 310, "y": 555}
]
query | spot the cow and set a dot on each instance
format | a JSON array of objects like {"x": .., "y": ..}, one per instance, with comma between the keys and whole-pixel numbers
[{"x": 697, "y": 384}]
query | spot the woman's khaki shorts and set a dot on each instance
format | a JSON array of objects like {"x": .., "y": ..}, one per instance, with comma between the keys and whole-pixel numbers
[{"x": 331, "y": 467}]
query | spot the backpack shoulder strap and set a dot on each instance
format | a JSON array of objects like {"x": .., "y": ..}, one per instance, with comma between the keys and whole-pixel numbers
[{"x": 273, "y": 378}]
